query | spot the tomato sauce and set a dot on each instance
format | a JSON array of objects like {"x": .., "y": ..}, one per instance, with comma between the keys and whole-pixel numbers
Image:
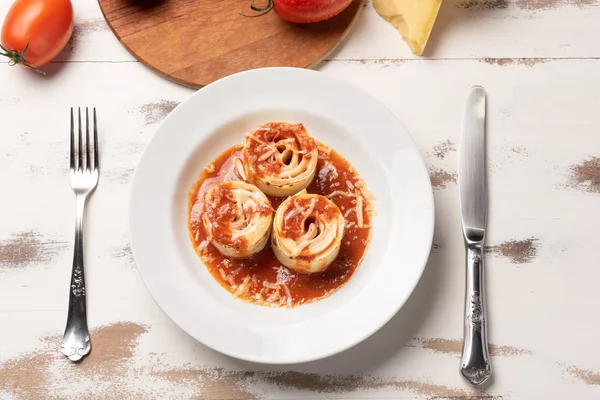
[{"x": 262, "y": 276}]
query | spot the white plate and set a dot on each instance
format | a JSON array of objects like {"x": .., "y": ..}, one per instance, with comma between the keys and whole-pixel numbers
[{"x": 340, "y": 115}]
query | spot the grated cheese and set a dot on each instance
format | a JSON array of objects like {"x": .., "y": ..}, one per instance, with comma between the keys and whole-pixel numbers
[
  {"x": 270, "y": 285},
  {"x": 367, "y": 194},
  {"x": 240, "y": 168},
  {"x": 204, "y": 243},
  {"x": 359, "y": 212},
  {"x": 327, "y": 169},
  {"x": 274, "y": 297},
  {"x": 324, "y": 149},
  {"x": 340, "y": 193},
  {"x": 266, "y": 155},
  {"x": 288, "y": 294},
  {"x": 348, "y": 211},
  {"x": 229, "y": 278},
  {"x": 244, "y": 287},
  {"x": 283, "y": 275},
  {"x": 225, "y": 277},
  {"x": 251, "y": 136}
]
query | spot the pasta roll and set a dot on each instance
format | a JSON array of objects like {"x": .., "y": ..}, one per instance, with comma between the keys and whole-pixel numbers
[
  {"x": 237, "y": 218},
  {"x": 281, "y": 158},
  {"x": 307, "y": 232}
]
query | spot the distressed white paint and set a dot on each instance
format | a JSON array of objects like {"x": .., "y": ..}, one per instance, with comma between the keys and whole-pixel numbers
[
  {"x": 548, "y": 111},
  {"x": 563, "y": 31}
]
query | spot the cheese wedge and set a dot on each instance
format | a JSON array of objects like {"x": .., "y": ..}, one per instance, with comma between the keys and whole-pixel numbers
[{"x": 414, "y": 19}]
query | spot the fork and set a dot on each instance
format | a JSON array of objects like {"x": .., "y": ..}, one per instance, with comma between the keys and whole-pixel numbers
[{"x": 84, "y": 174}]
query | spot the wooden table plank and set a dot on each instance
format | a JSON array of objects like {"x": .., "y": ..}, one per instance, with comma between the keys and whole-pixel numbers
[{"x": 542, "y": 260}]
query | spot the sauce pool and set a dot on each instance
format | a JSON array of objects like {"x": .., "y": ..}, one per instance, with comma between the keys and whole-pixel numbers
[{"x": 334, "y": 178}]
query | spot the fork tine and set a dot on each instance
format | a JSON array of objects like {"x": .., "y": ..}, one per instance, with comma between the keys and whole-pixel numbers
[
  {"x": 96, "y": 159},
  {"x": 79, "y": 158},
  {"x": 88, "y": 160},
  {"x": 72, "y": 157}
]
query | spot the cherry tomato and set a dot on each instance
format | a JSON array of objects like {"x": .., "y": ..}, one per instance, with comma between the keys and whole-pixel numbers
[
  {"x": 35, "y": 31},
  {"x": 305, "y": 11}
]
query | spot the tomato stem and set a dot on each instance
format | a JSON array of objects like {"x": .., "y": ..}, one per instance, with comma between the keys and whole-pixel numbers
[
  {"x": 261, "y": 10},
  {"x": 19, "y": 58}
]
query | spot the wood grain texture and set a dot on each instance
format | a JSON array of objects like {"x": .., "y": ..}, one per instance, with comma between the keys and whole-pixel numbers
[{"x": 197, "y": 42}]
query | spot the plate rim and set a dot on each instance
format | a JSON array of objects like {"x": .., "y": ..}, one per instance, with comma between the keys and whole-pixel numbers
[{"x": 421, "y": 264}]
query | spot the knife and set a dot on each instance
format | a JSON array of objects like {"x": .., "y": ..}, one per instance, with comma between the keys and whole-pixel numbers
[{"x": 475, "y": 360}]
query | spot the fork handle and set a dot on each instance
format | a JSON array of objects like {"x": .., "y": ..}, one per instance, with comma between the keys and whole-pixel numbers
[
  {"x": 76, "y": 340},
  {"x": 475, "y": 361}
]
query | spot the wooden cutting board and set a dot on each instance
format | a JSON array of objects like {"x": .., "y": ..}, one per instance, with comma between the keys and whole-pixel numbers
[{"x": 195, "y": 42}]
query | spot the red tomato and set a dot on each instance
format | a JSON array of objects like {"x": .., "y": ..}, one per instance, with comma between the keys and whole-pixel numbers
[
  {"x": 44, "y": 26},
  {"x": 307, "y": 11},
  {"x": 304, "y": 11}
]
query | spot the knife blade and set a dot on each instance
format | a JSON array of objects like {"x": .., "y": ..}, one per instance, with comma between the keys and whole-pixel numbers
[
  {"x": 471, "y": 167},
  {"x": 475, "y": 362}
]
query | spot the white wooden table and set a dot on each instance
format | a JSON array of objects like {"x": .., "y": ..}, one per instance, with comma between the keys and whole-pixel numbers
[{"x": 539, "y": 61}]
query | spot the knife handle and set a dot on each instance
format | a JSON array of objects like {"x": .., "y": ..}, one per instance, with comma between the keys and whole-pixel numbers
[{"x": 475, "y": 360}]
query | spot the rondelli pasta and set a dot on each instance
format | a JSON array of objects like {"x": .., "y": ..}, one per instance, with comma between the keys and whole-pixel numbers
[
  {"x": 237, "y": 217},
  {"x": 307, "y": 232},
  {"x": 281, "y": 158},
  {"x": 280, "y": 220}
]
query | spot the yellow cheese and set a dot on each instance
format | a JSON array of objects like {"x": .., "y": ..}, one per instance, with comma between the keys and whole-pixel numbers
[{"x": 414, "y": 19}]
